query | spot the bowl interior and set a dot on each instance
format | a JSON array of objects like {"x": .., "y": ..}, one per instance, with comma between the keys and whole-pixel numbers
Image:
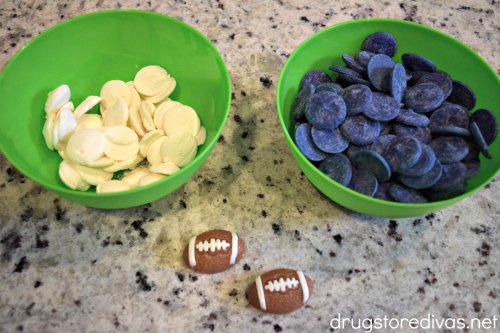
[
  {"x": 89, "y": 50},
  {"x": 327, "y": 46}
]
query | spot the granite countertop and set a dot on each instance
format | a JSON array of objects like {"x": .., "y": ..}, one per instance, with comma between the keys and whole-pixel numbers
[{"x": 68, "y": 268}]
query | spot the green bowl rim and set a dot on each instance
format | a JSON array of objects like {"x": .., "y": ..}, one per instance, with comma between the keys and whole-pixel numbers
[
  {"x": 203, "y": 155},
  {"x": 330, "y": 181}
]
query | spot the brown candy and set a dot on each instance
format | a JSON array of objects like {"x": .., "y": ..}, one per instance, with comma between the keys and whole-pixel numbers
[
  {"x": 213, "y": 251},
  {"x": 281, "y": 291}
]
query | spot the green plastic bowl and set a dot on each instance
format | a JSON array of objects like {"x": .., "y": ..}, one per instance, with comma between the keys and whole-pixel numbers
[
  {"x": 327, "y": 46},
  {"x": 84, "y": 53}
]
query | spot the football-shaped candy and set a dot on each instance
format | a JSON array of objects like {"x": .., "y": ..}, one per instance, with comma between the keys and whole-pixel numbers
[
  {"x": 213, "y": 251},
  {"x": 280, "y": 291}
]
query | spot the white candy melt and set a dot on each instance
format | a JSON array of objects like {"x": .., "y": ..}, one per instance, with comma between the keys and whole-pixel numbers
[
  {"x": 147, "y": 110},
  {"x": 93, "y": 176},
  {"x": 57, "y": 98},
  {"x": 112, "y": 91},
  {"x": 120, "y": 135},
  {"x": 160, "y": 112},
  {"x": 201, "y": 136},
  {"x": 163, "y": 94},
  {"x": 125, "y": 164},
  {"x": 119, "y": 152},
  {"x": 148, "y": 139},
  {"x": 70, "y": 176},
  {"x": 89, "y": 121},
  {"x": 48, "y": 130},
  {"x": 181, "y": 119},
  {"x": 150, "y": 80},
  {"x": 154, "y": 152},
  {"x": 101, "y": 163},
  {"x": 65, "y": 123},
  {"x": 135, "y": 120},
  {"x": 86, "y": 146},
  {"x": 112, "y": 186},
  {"x": 132, "y": 177},
  {"x": 179, "y": 149},
  {"x": 117, "y": 115},
  {"x": 165, "y": 168},
  {"x": 86, "y": 105},
  {"x": 149, "y": 179}
]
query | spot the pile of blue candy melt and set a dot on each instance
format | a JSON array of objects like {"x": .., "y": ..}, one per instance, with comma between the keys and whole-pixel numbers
[{"x": 401, "y": 132}]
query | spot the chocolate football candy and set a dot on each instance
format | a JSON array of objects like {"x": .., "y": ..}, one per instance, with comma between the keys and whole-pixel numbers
[
  {"x": 213, "y": 251},
  {"x": 280, "y": 291}
]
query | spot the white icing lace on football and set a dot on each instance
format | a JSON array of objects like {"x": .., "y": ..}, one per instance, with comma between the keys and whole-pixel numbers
[
  {"x": 213, "y": 245},
  {"x": 282, "y": 285}
]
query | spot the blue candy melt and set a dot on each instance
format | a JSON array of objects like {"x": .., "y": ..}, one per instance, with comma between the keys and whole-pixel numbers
[
  {"x": 423, "y": 165},
  {"x": 363, "y": 57},
  {"x": 403, "y": 153},
  {"x": 415, "y": 62},
  {"x": 315, "y": 77},
  {"x": 422, "y": 134},
  {"x": 463, "y": 95},
  {"x": 337, "y": 167},
  {"x": 333, "y": 87},
  {"x": 426, "y": 180},
  {"x": 410, "y": 118},
  {"x": 357, "y": 98},
  {"x": 329, "y": 140},
  {"x": 299, "y": 105},
  {"x": 325, "y": 110},
  {"x": 304, "y": 141},
  {"x": 364, "y": 182},
  {"x": 441, "y": 79},
  {"x": 424, "y": 97},
  {"x": 379, "y": 72},
  {"x": 353, "y": 64},
  {"x": 360, "y": 130},
  {"x": 453, "y": 175},
  {"x": 372, "y": 161},
  {"x": 345, "y": 70},
  {"x": 380, "y": 42},
  {"x": 407, "y": 195},
  {"x": 398, "y": 82},
  {"x": 383, "y": 108},
  {"x": 449, "y": 149},
  {"x": 479, "y": 139}
]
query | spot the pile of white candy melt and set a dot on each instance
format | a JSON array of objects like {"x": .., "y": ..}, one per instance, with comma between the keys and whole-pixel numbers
[{"x": 137, "y": 121}]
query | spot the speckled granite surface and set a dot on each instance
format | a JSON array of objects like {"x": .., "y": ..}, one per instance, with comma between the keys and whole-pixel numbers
[{"x": 68, "y": 268}]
